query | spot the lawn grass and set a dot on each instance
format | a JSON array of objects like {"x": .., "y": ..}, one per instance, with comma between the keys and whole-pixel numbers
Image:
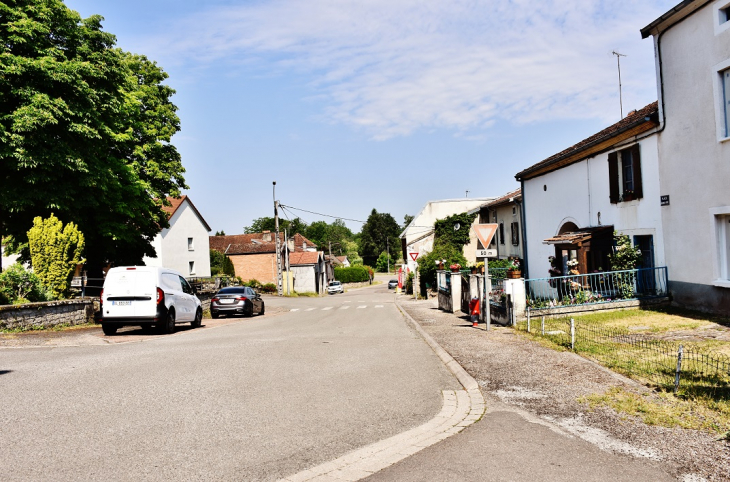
[{"x": 613, "y": 340}]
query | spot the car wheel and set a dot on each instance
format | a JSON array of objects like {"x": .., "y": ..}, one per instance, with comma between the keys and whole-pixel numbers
[
  {"x": 198, "y": 319},
  {"x": 168, "y": 326},
  {"x": 108, "y": 329},
  {"x": 262, "y": 308}
]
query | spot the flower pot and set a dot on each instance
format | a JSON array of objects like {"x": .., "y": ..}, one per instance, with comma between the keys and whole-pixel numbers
[
  {"x": 481, "y": 270},
  {"x": 514, "y": 274},
  {"x": 455, "y": 270},
  {"x": 473, "y": 271}
]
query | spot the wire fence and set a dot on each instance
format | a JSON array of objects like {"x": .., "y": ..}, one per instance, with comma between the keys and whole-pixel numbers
[{"x": 687, "y": 369}]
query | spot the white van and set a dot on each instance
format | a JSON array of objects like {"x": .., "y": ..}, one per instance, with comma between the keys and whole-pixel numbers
[{"x": 147, "y": 296}]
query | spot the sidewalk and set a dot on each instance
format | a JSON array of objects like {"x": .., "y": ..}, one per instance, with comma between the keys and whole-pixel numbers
[{"x": 535, "y": 429}]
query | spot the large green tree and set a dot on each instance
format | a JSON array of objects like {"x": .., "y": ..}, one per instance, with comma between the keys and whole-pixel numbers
[
  {"x": 379, "y": 233},
  {"x": 85, "y": 132},
  {"x": 259, "y": 225}
]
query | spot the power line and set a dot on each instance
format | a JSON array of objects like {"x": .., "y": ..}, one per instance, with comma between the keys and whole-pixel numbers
[{"x": 320, "y": 214}]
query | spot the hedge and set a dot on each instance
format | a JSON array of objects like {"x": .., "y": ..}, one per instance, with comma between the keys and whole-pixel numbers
[{"x": 353, "y": 274}]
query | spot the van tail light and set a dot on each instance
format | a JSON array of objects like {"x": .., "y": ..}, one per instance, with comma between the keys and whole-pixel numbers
[
  {"x": 101, "y": 296},
  {"x": 160, "y": 295}
]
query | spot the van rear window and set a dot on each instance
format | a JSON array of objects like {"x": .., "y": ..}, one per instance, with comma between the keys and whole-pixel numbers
[{"x": 128, "y": 280}]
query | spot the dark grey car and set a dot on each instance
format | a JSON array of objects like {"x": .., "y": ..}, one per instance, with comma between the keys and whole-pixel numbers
[{"x": 236, "y": 300}]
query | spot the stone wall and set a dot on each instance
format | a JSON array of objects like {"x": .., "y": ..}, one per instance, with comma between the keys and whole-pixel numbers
[{"x": 48, "y": 314}]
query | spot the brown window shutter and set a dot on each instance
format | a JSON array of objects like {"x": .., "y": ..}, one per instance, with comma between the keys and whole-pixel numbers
[
  {"x": 636, "y": 165},
  {"x": 613, "y": 176}
]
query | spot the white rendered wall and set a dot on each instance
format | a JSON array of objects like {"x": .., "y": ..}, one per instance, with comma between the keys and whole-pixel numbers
[
  {"x": 172, "y": 244},
  {"x": 695, "y": 162},
  {"x": 577, "y": 193}
]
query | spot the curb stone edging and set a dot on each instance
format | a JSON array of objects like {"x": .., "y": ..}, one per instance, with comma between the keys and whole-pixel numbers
[{"x": 461, "y": 408}]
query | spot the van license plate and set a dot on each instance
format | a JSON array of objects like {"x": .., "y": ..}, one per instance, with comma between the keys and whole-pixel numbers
[{"x": 121, "y": 303}]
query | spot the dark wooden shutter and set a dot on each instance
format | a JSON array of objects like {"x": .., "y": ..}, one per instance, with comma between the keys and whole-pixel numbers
[
  {"x": 613, "y": 177},
  {"x": 636, "y": 166}
]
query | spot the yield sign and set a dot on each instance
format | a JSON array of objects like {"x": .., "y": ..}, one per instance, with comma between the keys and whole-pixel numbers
[
  {"x": 485, "y": 233},
  {"x": 413, "y": 256}
]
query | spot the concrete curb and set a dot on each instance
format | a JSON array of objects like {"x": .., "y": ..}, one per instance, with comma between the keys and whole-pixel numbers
[{"x": 460, "y": 409}]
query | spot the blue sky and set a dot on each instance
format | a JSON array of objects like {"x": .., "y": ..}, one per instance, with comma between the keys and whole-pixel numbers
[{"x": 355, "y": 105}]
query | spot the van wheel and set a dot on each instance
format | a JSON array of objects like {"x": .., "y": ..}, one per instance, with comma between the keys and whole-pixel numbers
[
  {"x": 262, "y": 308},
  {"x": 108, "y": 329},
  {"x": 168, "y": 326},
  {"x": 198, "y": 319},
  {"x": 146, "y": 328}
]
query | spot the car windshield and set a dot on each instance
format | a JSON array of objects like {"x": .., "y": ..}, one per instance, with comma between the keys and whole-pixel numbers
[
  {"x": 232, "y": 291},
  {"x": 335, "y": 283}
]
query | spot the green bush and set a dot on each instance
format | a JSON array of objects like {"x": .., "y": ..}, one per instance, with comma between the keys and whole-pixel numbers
[
  {"x": 381, "y": 265},
  {"x": 409, "y": 284},
  {"x": 253, "y": 283},
  {"x": 353, "y": 274},
  {"x": 20, "y": 286},
  {"x": 268, "y": 288}
]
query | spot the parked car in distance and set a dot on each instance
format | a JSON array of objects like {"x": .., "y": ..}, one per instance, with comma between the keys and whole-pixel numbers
[
  {"x": 392, "y": 284},
  {"x": 236, "y": 300},
  {"x": 147, "y": 296},
  {"x": 335, "y": 287}
]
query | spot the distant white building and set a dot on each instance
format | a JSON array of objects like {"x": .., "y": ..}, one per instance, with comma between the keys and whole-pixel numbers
[
  {"x": 419, "y": 235},
  {"x": 7, "y": 260},
  {"x": 184, "y": 246}
]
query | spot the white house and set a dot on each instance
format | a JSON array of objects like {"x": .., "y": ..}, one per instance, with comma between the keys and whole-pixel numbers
[
  {"x": 692, "y": 55},
  {"x": 184, "y": 246},
  {"x": 574, "y": 200},
  {"x": 506, "y": 213},
  {"x": 309, "y": 270},
  {"x": 418, "y": 236}
]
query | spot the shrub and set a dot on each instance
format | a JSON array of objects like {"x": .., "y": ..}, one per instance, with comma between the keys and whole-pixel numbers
[
  {"x": 353, "y": 274},
  {"x": 19, "y": 286},
  {"x": 409, "y": 284},
  {"x": 55, "y": 251},
  {"x": 268, "y": 288},
  {"x": 253, "y": 283}
]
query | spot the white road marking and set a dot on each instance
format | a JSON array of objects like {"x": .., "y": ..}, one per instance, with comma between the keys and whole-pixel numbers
[
  {"x": 344, "y": 307},
  {"x": 310, "y": 309},
  {"x": 361, "y": 307},
  {"x": 327, "y": 308},
  {"x": 378, "y": 306},
  {"x": 347, "y": 301},
  {"x": 294, "y": 309}
]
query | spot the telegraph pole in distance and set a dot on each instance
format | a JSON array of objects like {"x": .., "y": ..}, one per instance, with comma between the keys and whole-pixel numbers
[{"x": 279, "y": 287}]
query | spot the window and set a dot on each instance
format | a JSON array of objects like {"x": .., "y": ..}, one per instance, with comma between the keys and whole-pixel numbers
[
  {"x": 624, "y": 173},
  {"x": 722, "y": 16},
  {"x": 501, "y": 233},
  {"x": 191, "y": 264},
  {"x": 515, "y": 234},
  {"x": 190, "y": 244},
  {"x": 726, "y": 100},
  {"x": 721, "y": 226}
]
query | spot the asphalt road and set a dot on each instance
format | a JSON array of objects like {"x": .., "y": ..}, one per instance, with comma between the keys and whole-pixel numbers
[{"x": 255, "y": 399}]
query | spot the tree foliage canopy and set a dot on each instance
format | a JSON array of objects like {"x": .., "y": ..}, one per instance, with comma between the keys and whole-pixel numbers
[
  {"x": 85, "y": 131},
  {"x": 379, "y": 233}
]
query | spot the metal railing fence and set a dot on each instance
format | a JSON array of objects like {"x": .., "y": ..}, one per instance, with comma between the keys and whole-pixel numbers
[
  {"x": 599, "y": 287},
  {"x": 685, "y": 368}
]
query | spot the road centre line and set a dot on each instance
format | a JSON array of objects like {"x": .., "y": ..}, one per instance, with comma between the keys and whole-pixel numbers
[
  {"x": 344, "y": 307},
  {"x": 361, "y": 307},
  {"x": 294, "y": 309},
  {"x": 326, "y": 308},
  {"x": 378, "y": 306},
  {"x": 310, "y": 309}
]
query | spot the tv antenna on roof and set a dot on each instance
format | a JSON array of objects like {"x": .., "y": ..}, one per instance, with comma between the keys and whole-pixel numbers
[{"x": 620, "y": 97}]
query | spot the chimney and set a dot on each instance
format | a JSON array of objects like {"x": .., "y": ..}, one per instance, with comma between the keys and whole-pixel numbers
[
  {"x": 267, "y": 236},
  {"x": 304, "y": 245},
  {"x": 290, "y": 243}
]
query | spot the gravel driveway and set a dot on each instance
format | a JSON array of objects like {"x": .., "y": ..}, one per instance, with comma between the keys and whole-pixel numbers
[{"x": 515, "y": 371}]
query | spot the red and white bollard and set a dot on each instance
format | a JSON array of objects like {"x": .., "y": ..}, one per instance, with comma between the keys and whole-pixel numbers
[{"x": 474, "y": 311}]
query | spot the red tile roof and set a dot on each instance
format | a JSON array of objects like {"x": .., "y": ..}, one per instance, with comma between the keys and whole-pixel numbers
[
  {"x": 304, "y": 257},
  {"x": 634, "y": 123},
  {"x": 254, "y": 243},
  {"x": 176, "y": 202},
  {"x": 517, "y": 194}
]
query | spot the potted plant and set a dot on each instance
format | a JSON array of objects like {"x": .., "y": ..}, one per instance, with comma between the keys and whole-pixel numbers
[
  {"x": 455, "y": 267},
  {"x": 554, "y": 270},
  {"x": 473, "y": 269},
  {"x": 480, "y": 267},
  {"x": 514, "y": 268}
]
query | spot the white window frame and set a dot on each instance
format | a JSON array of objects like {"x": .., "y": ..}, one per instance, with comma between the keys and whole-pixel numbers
[
  {"x": 191, "y": 244},
  {"x": 719, "y": 216},
  {"x": 721, "y": 14},
  {"x": 721, "y": 113},
  {"x": 191, "y": 265}
]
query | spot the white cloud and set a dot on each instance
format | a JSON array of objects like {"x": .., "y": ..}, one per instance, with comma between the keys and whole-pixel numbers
[{"x": 393, "y": 67}]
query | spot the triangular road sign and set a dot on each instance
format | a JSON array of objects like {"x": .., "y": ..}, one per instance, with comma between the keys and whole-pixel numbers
[
  {"x": 413, "y": 255},
  {"x": 485, "y": 233}
]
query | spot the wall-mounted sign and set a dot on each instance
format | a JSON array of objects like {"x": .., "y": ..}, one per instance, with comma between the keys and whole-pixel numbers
[
  {"x": 486, "y": 253},
  {"x": 665, "y": 200}
]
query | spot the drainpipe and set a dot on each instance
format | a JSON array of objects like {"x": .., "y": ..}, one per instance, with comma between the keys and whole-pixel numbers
[{"x": 524, "y": 229}]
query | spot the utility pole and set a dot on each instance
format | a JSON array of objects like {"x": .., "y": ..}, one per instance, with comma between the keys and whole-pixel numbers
[
  {"x": 279, "y": 288},
  {"x": 620, "y": 96},
  {"x": 288, "y": 274},
  {"x": 387, "y": 251}
]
